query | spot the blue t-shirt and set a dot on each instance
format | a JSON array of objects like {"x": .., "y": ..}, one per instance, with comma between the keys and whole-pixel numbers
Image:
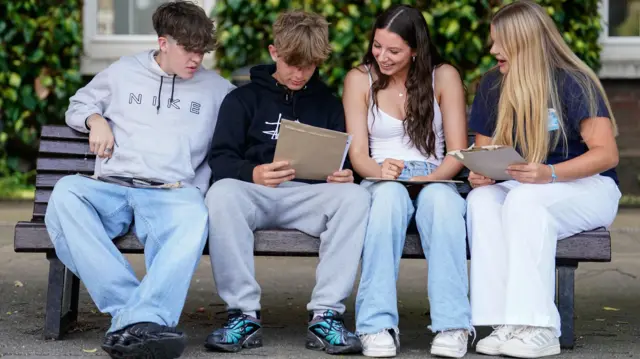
[{"x": 575, "y": 108}]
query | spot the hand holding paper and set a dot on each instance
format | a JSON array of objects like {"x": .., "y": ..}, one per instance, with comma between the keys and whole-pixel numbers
[
  {"x": 344, "y": 176},
  {"x": 477, "y": 180},
  {"x": 489, "y": 161},
  {"x": 272, "y": 174},
  {"x": 530, "y": 173}
]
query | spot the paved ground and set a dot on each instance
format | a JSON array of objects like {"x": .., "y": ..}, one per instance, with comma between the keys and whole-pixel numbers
[{"x": 607, "y": 308}]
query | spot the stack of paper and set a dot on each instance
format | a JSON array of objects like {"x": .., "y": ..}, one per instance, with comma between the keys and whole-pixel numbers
[
  {"x": 313, "y": 152},
  {"x": 489, "y": 161}
]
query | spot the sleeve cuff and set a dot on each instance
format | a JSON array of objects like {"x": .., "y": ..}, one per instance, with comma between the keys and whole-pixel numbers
[{"x": 246, "y": 172}]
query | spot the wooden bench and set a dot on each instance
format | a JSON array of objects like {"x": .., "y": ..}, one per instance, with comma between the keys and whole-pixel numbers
[{"x": 64, "y": 151}]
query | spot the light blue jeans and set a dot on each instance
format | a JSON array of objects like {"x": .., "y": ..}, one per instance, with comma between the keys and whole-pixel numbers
[
  {"x": 440, "y": 217},
  {"x": 83, "y": 217}
]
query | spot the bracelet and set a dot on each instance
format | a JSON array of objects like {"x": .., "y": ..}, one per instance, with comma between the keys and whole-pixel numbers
[{"x": 553, "y": 174}]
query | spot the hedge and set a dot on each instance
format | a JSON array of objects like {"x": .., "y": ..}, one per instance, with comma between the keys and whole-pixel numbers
[
  {"x": 460, "y": 29},
  {"x": 40, "y": 49}
]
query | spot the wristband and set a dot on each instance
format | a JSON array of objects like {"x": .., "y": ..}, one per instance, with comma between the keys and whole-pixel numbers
[{"x": 553, "y": 174}]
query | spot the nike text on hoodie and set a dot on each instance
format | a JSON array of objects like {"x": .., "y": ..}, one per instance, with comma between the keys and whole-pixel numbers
[{"x": 162, "y": 124}]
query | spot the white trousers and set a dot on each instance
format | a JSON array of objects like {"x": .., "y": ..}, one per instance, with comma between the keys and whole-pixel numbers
[{"x": 513, "y": 230}]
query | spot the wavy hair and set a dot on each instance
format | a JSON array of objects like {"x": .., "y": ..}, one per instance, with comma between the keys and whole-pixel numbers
[{"x": 408, "y": 23}]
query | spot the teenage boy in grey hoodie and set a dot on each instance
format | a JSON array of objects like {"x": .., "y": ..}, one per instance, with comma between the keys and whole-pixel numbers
[
  {"x": 150, "y": 119},
  {"x": 253, "y": 192}
]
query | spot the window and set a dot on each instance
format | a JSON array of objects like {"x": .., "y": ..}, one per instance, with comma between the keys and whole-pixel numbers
[
  {"x": 620, "y": 39},
  {"x": 114, "y": 28}
]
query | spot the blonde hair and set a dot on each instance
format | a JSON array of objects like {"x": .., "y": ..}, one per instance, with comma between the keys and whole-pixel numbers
[
  {"x": 301, "y": 38},
  {"x": 537, "y": 53}
]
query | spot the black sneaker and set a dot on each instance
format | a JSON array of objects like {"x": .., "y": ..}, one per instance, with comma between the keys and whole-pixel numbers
[
  {"x": 149, "y": 340},
  {"x": 240, "y": 331},
  {"x": 110, "y": 339},
  {"x": 327, "y": 332}
]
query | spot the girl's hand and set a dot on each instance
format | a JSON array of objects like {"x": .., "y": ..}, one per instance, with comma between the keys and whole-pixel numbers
[
  {"x": 530, "y": 173},
  {"x": 477, "y": 180}
]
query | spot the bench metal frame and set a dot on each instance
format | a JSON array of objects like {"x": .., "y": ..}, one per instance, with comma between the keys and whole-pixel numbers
[{"x": 64, "y": 151}]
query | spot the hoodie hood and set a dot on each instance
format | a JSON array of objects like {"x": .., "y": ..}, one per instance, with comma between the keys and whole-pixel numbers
[
  {"x": 262, "y": 75},
  {"x": 250, "y": 117},
  {"x": 148, "y": 61}
]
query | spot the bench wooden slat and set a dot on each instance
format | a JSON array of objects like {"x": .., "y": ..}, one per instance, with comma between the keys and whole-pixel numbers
[
  {"x": 66, "y": 165},
  {"x": 62, "y": 132},
  {"x": 65, "y": 147},
  {"x": 593, "y": 246},
  {"x": 39, "y": 210},
  {"x": 42, "y": 195},
  {"x": 48, "y": 180}
]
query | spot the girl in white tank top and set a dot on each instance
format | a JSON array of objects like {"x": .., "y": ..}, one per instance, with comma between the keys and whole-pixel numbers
[
  {"x": 388, "y": 139},
  {"x": 402, "y": 59}
]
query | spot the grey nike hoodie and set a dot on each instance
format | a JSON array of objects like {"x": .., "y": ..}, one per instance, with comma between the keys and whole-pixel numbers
[{"x": 162, "y": 124}]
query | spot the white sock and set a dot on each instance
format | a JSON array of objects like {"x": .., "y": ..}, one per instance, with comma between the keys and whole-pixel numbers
[
  {"x": 252, "y": 314},
  {"x": 318, "y": 313}
]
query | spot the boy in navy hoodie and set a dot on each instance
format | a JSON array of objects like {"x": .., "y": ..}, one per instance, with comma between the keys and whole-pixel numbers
[{"x": 252, "y": 192}]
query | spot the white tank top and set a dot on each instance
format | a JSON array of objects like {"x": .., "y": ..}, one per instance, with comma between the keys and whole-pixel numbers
[{"x": 387, "y": 137}]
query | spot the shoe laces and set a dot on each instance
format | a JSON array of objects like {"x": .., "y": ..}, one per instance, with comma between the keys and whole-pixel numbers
[
  {"x": 234, "y": 318},
  {"x": 456, "y": 334},
  {"x": 525, "y": 334},
  {"x": 335, "y": 320},
  {"x": 373, "y": 337},
  {"x": 503, "y": 332}
]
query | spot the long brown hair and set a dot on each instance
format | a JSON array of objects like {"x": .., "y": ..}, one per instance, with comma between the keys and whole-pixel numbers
[{"x": 408, "y": 23}]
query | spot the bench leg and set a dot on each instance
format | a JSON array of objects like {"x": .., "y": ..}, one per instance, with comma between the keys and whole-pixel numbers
[
  {"x": 62, "y": 299},
  {"x": 566, "y": 285}
]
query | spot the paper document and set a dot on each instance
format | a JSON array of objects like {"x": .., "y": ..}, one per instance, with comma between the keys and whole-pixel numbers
[
  {"x": 315, "y": 153},
  {"x": 407, "y": 181},
  {"x": 134, "y": 182},
  {"x": 489, "y": 161}
]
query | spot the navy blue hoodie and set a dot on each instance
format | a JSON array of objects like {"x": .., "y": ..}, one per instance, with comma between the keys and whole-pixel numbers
[{"x": 247, "y": 129}]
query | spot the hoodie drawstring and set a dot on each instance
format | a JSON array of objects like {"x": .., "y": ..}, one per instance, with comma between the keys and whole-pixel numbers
[
  {"x": 159, "y": 92},
  {"x": 173, "y": 86}
]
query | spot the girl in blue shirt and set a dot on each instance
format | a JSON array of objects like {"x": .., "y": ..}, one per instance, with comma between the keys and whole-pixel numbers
[{"x": 543, "y": 100}]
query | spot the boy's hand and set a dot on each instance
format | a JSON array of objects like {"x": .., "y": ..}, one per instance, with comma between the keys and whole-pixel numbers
[
  {"x": 100, "y": 136},
  {"x": 272, "y": 174},
  {"x": 344, "y": 176}
]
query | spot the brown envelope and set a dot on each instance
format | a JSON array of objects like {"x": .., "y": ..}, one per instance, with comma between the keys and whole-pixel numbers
[
  {"x": 489, "y": 161},
  {"x": 315, "y": 153}
]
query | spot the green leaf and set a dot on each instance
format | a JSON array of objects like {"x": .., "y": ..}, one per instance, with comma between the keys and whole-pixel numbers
[
  {"x": 14, "y": 80},
  {"x": 453, "y": 28}
]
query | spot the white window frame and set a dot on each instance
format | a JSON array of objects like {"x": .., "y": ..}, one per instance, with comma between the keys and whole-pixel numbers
[
  {"x": 102, "y": 50},
  {"x": 620, "y": 56}
]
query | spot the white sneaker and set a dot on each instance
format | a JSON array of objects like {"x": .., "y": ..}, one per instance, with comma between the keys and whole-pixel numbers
[
  {"x": 450, "y": 343},
  {"x": 379, "y": 345},
  {"x": 491, "y": 345},
  {"x": 532, "y": 342}
]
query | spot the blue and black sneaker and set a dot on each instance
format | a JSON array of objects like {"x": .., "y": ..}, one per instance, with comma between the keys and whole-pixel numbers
[
  {"x": 327, "y": 332},
  {"x": 240, "y": 331}
]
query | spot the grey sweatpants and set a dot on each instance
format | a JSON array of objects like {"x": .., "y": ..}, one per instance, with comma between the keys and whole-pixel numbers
[{"x": 337, "y": 213}]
